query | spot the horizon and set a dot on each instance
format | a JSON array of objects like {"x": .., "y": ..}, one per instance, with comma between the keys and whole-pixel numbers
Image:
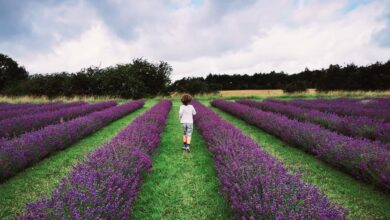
[{"x": 196, "y": 37}]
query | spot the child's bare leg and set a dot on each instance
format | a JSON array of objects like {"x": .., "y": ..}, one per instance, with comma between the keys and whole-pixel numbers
[
  {"x": 188, "y": 140},
  {"x": 184, "y": 138}
]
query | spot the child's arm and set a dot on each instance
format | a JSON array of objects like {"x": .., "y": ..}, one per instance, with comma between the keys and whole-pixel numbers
[
  {"x": 180, "y": 112},
  {"x": 193, "y": 111}
]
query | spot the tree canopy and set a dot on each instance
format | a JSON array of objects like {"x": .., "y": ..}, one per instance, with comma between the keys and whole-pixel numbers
[
  {"x": 141, "y": 78},
  {"x": 136, "y": 79},
  {"x": 10, "y": 71}
]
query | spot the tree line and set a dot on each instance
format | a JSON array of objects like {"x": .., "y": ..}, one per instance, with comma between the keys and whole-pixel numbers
[
  {"x": 136, "y": 79},
  {"x": 351, "y": 77},
  {"x": 141, "y": 78}
]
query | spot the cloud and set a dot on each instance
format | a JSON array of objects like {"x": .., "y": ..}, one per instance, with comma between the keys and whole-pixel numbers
[
  {"x": 314, "y": 36},
  {"x": 38, "y": 26},
  {"x": 382, "y": 37},
  {"x": 195, "y": 36}
]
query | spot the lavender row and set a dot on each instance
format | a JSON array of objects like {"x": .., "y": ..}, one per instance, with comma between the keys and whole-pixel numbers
[
  {"x": 378, "y": 103},
  {"x": 29, "y": 148},
  {"x": 343, "y": 109},
  {"x": 381, "y": 103},
  {"x": 106, "y": 185},
  {"x": 355, "y": 126},
  {"x": 16, "y": 126},
  {"x": 365, "y": 160},
  {"x": 9, "y": 106},
  {"x": 5, "y": 106},
  {"x": 372, "y": 103},
  {"x": 257, "y": 185},
  {"x": 38, "y": 109}
]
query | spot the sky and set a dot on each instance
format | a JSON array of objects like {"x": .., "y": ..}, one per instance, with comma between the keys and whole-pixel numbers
[{"x": 196, "y": 37}]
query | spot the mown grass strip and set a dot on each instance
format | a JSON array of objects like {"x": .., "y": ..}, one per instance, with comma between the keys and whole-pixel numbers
[
  {"x": 362, "y": 200},
  {"x": 182, "y": 185},
  {"x": 42, "y": 178}
]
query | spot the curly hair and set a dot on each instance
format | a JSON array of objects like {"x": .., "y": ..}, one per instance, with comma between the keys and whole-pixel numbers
[{"x": 186, "y": 99}]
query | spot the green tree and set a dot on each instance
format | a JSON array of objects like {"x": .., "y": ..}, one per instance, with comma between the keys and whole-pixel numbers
[{"x": 10, "y": 72}]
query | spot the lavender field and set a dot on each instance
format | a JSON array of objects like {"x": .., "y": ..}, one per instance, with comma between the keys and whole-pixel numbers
[
  {"x": 195, "y": 110},
  {"x": 250, "y": 159}
]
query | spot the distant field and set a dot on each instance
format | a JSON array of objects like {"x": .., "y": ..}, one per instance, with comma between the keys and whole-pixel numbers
[
  {"x": 309, "y": 92},
  {"x": 228, "y": 94},
  {"x": 279, "y": 94}
]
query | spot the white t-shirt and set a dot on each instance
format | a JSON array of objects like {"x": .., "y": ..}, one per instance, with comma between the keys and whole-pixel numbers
[{"x": 186, "y": 112}]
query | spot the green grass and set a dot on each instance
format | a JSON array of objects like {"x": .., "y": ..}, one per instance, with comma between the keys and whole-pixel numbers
[
  {"x": 362, "y": 200},
  {"x": 40, "y": 179},
  {"x": 182, "y": 185}
]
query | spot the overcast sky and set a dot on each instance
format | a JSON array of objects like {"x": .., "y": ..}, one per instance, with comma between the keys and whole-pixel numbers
[{"x": 195, "y": 36}]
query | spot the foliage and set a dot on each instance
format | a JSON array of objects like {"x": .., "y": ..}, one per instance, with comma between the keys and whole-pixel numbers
[
  {"x": 362, "y": 200},
  {"x": 361, "y": 158},
  {"x": 106, "y": 185},
  {"x": 19, "y": 153},
  {"x": 258, "y": 185},
  {"x": 356, "y": 126},
  {"x": 136, "y": 79},
  {"x": 182, "y": 185},
  {"x": 13, "y": 127},
  {"x": 10, "y": 71},
  {"x": 6, "y": 113},
  {"x": 141, "y": 78},
  {"x": 42, "y": 178},
  {"x": 351, "y": 77},
  {"x": 342, "y": 108},
  {"x": 296, "y": 86},
  {"x": 193, "y": 86}
]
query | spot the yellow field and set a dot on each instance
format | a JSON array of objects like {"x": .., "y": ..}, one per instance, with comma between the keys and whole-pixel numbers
[
  {"x": 309, "y": 92},
  {"x": 261, "y": 93}
]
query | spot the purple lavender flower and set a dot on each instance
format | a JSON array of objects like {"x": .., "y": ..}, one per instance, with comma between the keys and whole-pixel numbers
[
  {"x": 363, "y": 159},
  {"x": 106, "y": 184},
  {"x": 17, "y": 125},
  {"x": 11, "y": 106},
  {"x": 29, "y": 148},
  {"x": 257, "y": 185},
  {"x": 9, "y": 113},
  {"x": 343, "y": 107},
  {"x": 355, "y": 126}
]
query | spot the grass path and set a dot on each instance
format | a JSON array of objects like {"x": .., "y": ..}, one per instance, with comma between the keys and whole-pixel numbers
[
  {"x": 182, "y": 185},
  {"x": 43, "y": 177},
  {"x": 362, "y": 200}
]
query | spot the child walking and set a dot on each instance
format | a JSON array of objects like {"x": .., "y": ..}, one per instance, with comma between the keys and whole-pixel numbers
[{"x": 186, "y": 113}]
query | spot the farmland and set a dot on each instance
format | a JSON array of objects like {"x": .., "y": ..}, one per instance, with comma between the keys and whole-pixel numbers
[{"x": 251, "y": 159}]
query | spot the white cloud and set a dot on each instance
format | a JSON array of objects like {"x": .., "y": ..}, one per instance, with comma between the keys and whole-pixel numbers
[
  {"x": 199, "y": 39},
  {"x": 313, "y": 43},
  {"x": 96, "y": 46}
]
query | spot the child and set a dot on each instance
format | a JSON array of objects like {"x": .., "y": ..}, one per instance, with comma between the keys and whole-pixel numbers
[{"x": 185, "y": 114}]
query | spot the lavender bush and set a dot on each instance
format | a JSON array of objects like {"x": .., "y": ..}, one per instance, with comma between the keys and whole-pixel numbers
[
  {"x": 105, "y": 185},
  {"x": 17, "y": 125},
  {"x": 355, "y": 126},
  {"x": 377, "y": 103},
  {"x": 343, "y": 108},
  {"x": 5, "y": 114},
  {"x": 257, "y": 185},
  {"x": 366, "y": 160},
  {"x": 29, "y": 148},
  {"x": 9, "y": 106}
]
